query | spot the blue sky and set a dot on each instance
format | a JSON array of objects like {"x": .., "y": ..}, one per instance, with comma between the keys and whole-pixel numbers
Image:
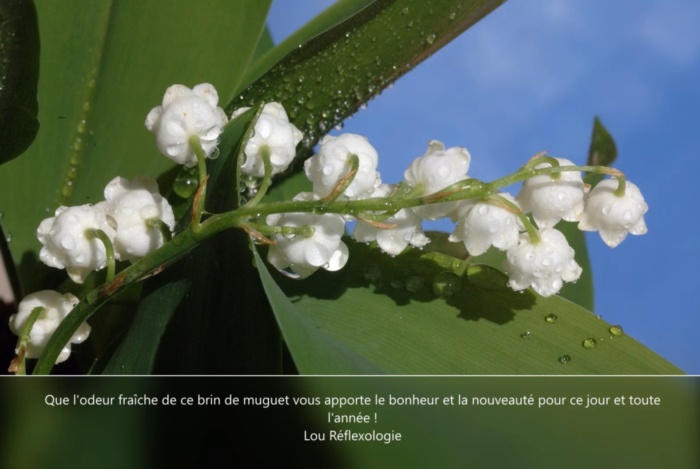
[{"x": 530, "y": 77}]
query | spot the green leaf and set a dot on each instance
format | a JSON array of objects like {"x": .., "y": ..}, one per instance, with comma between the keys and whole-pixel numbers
[
  {"x": 580, "y": 292},
  {"x": 19, "y": 75},
  {"x": 386, "y": 310},
  {"x": 104, "y": 65},
  {"x": 602, "y": 151},
  {"x": 314, "y": 351},
  {"x": 327, "y": 78},
  {"x": 336, "y": 13}
]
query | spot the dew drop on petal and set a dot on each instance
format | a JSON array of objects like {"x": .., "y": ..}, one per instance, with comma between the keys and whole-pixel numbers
[{"x": 68, "y": 242}]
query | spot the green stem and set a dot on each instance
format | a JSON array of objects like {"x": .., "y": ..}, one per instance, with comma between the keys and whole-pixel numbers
[
  {"x": 531, "y": 229},
  {"x": 344, "y": 183},
  {"x": 109, "y": 251},
  {"x": 24, "y": 337},
  {"x": 200, "y": 198},
  {"x": 306, "y": 231},
  {"x": 622, "y": 183},
  {"x": 522, "y": 175},
  {"x": 161, "y": 226},
  {"x": 267, "y": 178}
]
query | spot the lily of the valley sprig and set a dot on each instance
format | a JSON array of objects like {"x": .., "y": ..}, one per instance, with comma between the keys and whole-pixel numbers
[{"x": 135, "y": 223}]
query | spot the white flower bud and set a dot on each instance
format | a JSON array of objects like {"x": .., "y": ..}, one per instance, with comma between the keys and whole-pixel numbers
[
  {"x": 131, "y": 204},
  {"x": 274, "y": 132},
  {"x": 393, "y": 241},
  {"x": 57, "y": 307},
  {"x": 304, "y": 255},
  {"x": 184, "y": 113},
  {"x": 544, "y": 266},
  {"x": 66, "y": 244},
  {"x": 434, "y": 171},
  {"x": 332, "y": 163},
  {"x": 551, "y": 200},
  {"x": 614, "y": 216},
  {"x": 483, "y": 224}
]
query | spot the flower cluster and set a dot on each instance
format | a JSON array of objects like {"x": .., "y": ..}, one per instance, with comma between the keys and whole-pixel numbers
[
  {"x": 537, "y": 255},
  {"x": 134, "y": 219},
  {"x": 128, "y": 218}
]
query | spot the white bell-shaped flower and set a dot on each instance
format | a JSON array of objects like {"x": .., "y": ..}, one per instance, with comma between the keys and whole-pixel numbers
[
  {"x": 304, "y": 255},
  {"x": 67, "y": 243},
  {"x": 614, "y": 216},
  {"x": 186, "y": 112},
  {"x": 273, "y": 133},
  {"x": 484, "y": 224},
  {"x": 551, "y": 199},
  {"x": 332, "y": 163},
  {"x": 56, "y": 308},
  {"x": 130, "y": 207},
  {"x": 434, "y": 171},
  {"x": 407, "y": 228},
  {"x": 543, "y": 266}
]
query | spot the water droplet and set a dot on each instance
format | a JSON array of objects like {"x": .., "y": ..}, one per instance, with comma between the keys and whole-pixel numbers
[
  {"x": 431, "y": 38},
  {"x": 186, "y": 183},
  {"x": 525, "y": 335},
  {"x": 616, "y": 331},
  {"x": 589, "y": 343},
  {"x": 215, "y": 154},
  {"x": 414, "y": 283},
  {"x": 446, "y": 284},
  {"x": 396, "y": 283},
  {"x": 8, "y": 237},
  {"x": 453, "y": 15},
  {"x": 2, "y": 215},
  {"x": 551, "y": 318},
  {"x": 564, "y": 359},
  {"x": 372, "y": 272}
]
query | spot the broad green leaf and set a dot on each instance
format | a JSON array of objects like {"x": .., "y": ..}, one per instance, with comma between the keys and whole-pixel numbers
[
  {"x": 602, "y": 151},
  {"x": 387, "y": 310},
  {"x": 104, "y": 65},
  {"x": 336, "y": 13},
  {"x": 314, "y": 351},
  {"x": 19, "y": 74},
  {"x": 327, "y": 78}
]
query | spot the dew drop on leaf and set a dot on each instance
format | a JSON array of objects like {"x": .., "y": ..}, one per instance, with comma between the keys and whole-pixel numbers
[
  {"x": 616, "y": 331},
  {"x": 446, "y": 284},
  {"x": 564, "y": 359},
  {"x": 551, "y": 318},
  {"x": 589, "y": 343}
]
